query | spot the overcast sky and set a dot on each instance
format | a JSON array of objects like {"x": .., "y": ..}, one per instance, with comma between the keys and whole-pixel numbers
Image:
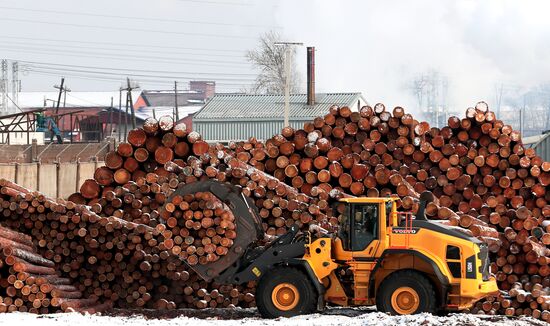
[{"x": 375, "y": 47}]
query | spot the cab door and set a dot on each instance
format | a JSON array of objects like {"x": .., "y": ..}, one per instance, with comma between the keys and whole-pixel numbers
[
  {"x": 364, "y": 230},
  {"x": 365, "y": 240},
  {"x": 359, "y": 232}
]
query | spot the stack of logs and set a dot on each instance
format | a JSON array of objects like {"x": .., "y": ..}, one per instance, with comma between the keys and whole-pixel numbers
[
  {"x": 205, "y": 224},
  {"x": 110, "y": 259},
  {"x": 29, "y": 283},
  {"x": 483, "y": 178}
]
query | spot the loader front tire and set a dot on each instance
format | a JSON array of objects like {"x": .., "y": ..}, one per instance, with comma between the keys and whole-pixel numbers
[
  {"x": 406, "y": 292},
  {"x": 285, "y": 292}
]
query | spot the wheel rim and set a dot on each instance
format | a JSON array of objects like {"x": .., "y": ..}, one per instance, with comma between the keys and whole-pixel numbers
[
  {"x": 285, "y": 296},
  {"x": 405, "y": 300}
]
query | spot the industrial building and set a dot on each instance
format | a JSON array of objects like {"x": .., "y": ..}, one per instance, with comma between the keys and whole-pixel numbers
[
  {"x": 229, "y": 117},
  {"x": 541, "y": 144},
  {"x": 156, "y": 103}
]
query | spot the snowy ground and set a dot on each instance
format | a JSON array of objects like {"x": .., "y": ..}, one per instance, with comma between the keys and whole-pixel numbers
[{"x": 249, "y": 317}]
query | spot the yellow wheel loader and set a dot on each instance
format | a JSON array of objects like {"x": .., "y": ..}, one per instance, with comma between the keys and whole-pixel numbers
[{"x": 400, "y": 263}]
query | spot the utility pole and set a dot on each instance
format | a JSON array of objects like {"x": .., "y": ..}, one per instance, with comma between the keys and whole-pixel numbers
[
  {"x": 176, "y": 100},
  {"x": 288, "y": 54},
  {"x": 111, "y": 118},
  {"x": 126, "y": 119},
  {"x": 129, "y": 101},
  {"x": 498, "y": 93},
  {"x": 65, "y": 96},
  {"x": 119, "y": 124},
  {"x": 62, "y": 90},
  {"x": 288, "y": 61},
  {"x": 4, "y": 87},
  {"x": 521, "y": 117},
  {"x": 15, "y": 83}
]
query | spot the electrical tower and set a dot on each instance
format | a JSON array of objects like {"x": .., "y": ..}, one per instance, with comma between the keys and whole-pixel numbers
[
  {"x": 431, "y": 91},
  {"x": 4, "y": 88},
  {"x": 15, "y": 83}
]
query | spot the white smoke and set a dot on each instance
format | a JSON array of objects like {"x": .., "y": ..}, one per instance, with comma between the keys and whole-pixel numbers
[{"x": 377, "y": 47}]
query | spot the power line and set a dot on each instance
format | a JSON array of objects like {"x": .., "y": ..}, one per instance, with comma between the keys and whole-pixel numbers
[
  {"x": 103, "y": 72},
  {"x": 112, "y": 80},
  {"x": 110, "y": 28},
  {"x": 106, "y": 73},
  {"x": 113, "y": 57},
  {"x": 119, "y": 81},
  {"x": 119, "y": 44},
  {"x": 17, "y": 106},
  {"x": 81, "y": 99},
  {"x": 131, "y": 74},
  {"x": 107, "y": 78},
  {"x": 134, "y": 70},
  {"x": 73, "y": 105},
  {"x": 132, "y": 17},
  {"x": 119, "y": 78},
  {"x": 56, "y": 44},
  {"x": 60, "y": 50}
]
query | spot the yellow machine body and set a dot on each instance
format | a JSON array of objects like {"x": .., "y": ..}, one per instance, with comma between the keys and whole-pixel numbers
[{"x": 456, "y": 265}]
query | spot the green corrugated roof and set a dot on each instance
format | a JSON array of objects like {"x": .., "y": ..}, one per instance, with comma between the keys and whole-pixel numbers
[{"x": 238, "y": 106}]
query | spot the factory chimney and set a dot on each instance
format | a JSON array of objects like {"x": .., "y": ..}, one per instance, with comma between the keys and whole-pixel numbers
[{"x": 310, "y": 75}]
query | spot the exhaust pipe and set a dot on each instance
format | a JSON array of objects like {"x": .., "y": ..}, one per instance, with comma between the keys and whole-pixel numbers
[{"x": 425, "y": 198}]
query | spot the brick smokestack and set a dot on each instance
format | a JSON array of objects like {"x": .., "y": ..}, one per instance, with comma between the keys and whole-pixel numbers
[{"x": 310, "y": 75}]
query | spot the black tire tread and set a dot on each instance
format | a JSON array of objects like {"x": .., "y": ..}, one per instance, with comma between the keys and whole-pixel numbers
[
  {"x": 263, "y": 293},
  {"x": 399, "y": 278}
]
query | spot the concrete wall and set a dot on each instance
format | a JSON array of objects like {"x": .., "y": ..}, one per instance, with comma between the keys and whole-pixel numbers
[
  {"x": 53, "y": 180},
  {"x": 26, "y": 175},
  {"x": 47, "y": 179},
  {"x": 7, "y": 171},
  {"x": 67, "y": 179}
]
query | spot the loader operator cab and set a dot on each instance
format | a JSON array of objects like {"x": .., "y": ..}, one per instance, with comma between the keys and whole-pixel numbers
[{"x": 359, "y": 226}]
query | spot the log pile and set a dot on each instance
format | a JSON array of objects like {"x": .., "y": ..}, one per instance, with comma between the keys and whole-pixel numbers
[
  {"x": 29, "y": 283},
  {"x": 205, "y": 225},
  {"x": 111, "y": 260},
  {"x": 484, "y": 180}
]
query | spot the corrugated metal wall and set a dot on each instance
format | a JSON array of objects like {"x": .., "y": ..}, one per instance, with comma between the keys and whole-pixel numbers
[
  {"x": 241, "y": 130},
  {"x": 543, "y": 148}
]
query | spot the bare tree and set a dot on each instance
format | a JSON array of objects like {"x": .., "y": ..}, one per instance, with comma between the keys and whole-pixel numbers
[{"x": 269, "y": 60}]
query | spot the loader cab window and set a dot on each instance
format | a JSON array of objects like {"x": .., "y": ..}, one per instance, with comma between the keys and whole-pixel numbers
[
  {"x": 344, "y": 229},
  {"x": 358, "y": 225},
  {"x": 364, "y": 225}
]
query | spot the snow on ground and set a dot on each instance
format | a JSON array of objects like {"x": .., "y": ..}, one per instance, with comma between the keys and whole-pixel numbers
[{"x": 249, "y": 317}]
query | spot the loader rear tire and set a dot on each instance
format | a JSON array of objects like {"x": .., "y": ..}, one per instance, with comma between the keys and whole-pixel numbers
[
  {"x": 406, "y": 292},
  {"x": 285, "y": 292}
]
